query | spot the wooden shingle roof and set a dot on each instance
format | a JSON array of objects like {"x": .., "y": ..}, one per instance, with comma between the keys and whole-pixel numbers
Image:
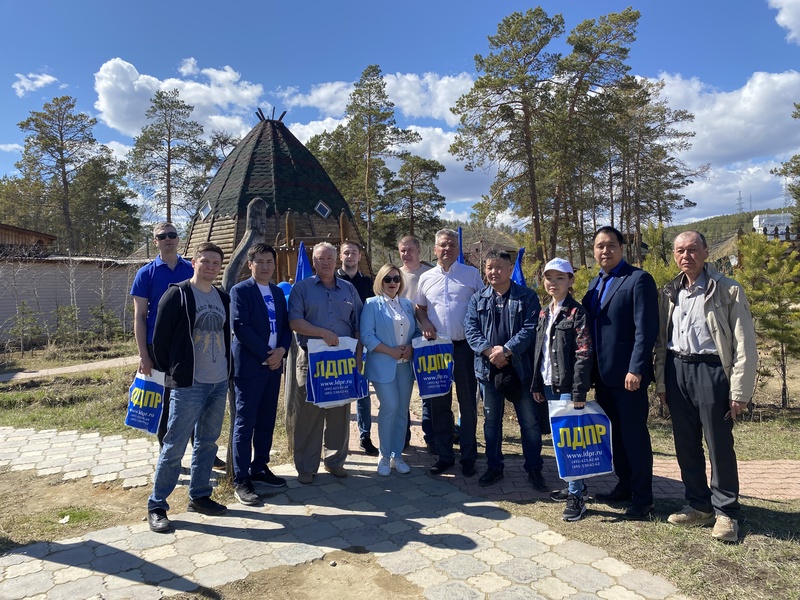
[{"x": 272, "y": 164}]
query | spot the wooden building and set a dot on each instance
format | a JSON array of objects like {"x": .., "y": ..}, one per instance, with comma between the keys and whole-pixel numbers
[
  {"x": 302, "y": 203},
  {"x": 19, "y": 242}
]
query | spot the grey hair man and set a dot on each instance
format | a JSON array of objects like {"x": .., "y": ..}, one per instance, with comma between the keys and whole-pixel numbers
[{"x": 706, "y": 361}]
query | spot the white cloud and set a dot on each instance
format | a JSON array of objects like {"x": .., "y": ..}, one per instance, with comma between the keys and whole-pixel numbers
[
  {"x": 305, "y": 131},
  {"x": 429, "y": 96},
  {"x": 118, "y": 149},
  {"x": 11, "y": 148},
  {"x": 219, "y": 96},
  {"x": 31, "y": 82},
  {"x": 188, "y": 67},
  {"x": 330, "y": 98},
  {"x": 788, "y": 17}
]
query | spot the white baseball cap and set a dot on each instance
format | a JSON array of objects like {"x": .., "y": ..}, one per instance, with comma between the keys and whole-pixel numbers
[{"x": 559, "y": 264}]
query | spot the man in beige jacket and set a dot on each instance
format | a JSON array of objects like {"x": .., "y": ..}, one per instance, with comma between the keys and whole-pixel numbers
[{"x": 706, "y": 361}]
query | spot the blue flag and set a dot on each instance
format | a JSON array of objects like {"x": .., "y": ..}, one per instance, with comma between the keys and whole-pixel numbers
[
  {"x": 460, "y": 246},
  {"x": 303, "y": 266},
  {"x": 517, "y": 276}
]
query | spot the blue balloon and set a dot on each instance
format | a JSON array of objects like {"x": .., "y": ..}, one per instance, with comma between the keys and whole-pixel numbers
[{"x": 286, "y": 287}]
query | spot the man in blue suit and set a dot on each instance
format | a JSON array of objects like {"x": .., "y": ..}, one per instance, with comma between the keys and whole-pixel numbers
[
  {"x": 623, "y": 303},
  {"x": 261, "y": 339}
]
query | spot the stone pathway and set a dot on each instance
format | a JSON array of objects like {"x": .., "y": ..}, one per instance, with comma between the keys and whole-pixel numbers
[{"x": 448, "y": 541}]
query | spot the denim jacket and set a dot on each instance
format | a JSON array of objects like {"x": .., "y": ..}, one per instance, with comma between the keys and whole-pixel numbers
[
  {"x": 570, "y": 351},
  {"x": 523, "y": 313}
]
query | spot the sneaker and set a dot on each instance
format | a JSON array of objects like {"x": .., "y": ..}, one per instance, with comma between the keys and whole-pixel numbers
[
  {"x": 491, "y": 477},
  {"x": 219, "y": 464},
  {"x": 384, "y": 467},
  {"x": 536, "y": 479},
  {"x": 206, "y": 506},
  {"x": 158, "y": 521},
  {"x": 562, "y": 494},
  {"x": 575, "y": 508},
  {"x": 691, "y": 517},
  {"x": 246, "y": 494},
  {"x": 368, "y": 447},
  {"x": 305, "y": 478},
  {"x": 400, "y": 465},
  {"x": 726, "y": 529},
  {"x": 268, "y": 478}
]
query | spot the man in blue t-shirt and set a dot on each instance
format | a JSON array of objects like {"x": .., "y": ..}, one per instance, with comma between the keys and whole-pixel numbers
[{"x": 150, "y": 283}]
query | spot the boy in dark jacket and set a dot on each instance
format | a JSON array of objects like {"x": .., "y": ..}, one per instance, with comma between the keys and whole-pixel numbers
[
  {"x": 562, "y": 361},
  {"x": 191, "y": 344}
]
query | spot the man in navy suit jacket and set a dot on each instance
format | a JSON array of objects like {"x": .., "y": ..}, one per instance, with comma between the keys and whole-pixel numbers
[
  {"x": 261, "y": 339},
  {"x": 623, "y": 303}
]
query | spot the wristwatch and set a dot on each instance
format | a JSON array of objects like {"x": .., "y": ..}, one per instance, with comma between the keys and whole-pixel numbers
[{"x": 506, "y": 352}]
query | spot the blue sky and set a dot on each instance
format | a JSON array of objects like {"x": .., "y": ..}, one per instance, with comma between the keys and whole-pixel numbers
[{"x": 731, "y": 64}]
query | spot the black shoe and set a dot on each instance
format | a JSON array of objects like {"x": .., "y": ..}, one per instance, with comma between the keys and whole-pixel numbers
[
  {"x": 639, "y": 512},
  {"x": 268, "y": 478},
  {"x": 246, "y": 494},
  {"x": 536, "y": 479},
  {"x": 491, "y": 477},
  {"x": 575, "y": 508},
  {"x": 430, "y": 449},
  {"x": 219, "y": 464},
  {"x": 440, "y": 466},
  {"x": 368, "y": 447},
  {"x": 615, "y": 495},
  {"x": 206, "y": 506},
  {"x": 468, "y": 469},
  {"x": 158, "y": 521},
  {"x": 562, "y": 494}
]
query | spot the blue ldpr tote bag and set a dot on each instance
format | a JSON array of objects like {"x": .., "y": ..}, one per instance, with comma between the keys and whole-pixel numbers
[
  {"x": 333, "y": 377},
  {"x": 581, "y": 440},
  {"x": 433, "y": 365},
  {"x": 146, "y": 401}
]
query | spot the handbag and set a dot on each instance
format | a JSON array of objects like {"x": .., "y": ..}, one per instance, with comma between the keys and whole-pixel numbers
[
  {"x": 433, "y": 365},
  {"x": 146, "y": 401},
  {"x": 581, "y": 440},
  {"x": 507, "y": 382},
  {"x": 333, "y": 377}
]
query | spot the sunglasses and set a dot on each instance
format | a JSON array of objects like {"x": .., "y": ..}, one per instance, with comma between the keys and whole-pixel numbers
[
  {"x": 162, "y": 236},
  {"x": 390, "y": 279}
]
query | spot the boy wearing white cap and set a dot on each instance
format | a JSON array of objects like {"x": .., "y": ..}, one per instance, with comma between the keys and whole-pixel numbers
[{"x": 563, "y": 361}]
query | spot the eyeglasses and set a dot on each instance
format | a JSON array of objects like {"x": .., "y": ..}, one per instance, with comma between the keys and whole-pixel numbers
[
  {"x": 390, "y": 279},
  {"x": 162, "y": 236}
]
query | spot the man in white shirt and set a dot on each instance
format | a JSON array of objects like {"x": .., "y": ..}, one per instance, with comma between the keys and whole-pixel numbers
[{"x": 441, "y": 302}]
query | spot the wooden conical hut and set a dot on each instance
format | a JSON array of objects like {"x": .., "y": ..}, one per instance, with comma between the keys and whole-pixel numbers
[{"x": 302, "y": 203}]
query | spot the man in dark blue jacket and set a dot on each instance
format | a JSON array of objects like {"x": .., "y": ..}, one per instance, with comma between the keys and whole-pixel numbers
[
  {"x": 191, "y": 344},
  {"x": 261, "y": 340},
  {"x": 623, "y": 303},
  {"x": 501, "y": 328}
]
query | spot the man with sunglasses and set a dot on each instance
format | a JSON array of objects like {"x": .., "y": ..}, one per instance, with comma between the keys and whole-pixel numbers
[{"x": 150, "y": 283}]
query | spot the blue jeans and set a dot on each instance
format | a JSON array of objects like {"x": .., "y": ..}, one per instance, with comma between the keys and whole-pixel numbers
[
  {"x": 256, "y": 407},
  {"x": 199, "y": 408},
  {"x": 530, "y": 432},
  {"x": 364, "y": 416},
  {"x": 576, "y": 485},
  {"x": 394, "y": 398}
]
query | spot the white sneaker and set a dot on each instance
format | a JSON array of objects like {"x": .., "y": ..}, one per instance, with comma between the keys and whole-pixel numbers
[
  {"x": 400, "y": 465},
  {"x": 384, "y": 467}
]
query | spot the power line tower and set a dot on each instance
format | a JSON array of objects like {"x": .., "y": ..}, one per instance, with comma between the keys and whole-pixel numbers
[{"x": 740, "y": 203}]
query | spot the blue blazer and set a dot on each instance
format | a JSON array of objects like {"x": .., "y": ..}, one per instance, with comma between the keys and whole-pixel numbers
[
  {"x": 625, "y": 326},
  {"x": 377, "y": 326},
  {"x": 251, "y": 328}
]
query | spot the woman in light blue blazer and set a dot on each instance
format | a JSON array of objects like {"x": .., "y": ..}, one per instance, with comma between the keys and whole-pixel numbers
[{"x": 387, "y": 327}]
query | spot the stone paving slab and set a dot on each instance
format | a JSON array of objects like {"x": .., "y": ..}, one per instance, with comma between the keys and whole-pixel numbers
[{"x": 444, "y": 534}]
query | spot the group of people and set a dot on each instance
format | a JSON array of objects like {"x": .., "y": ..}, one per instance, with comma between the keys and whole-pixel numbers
[{"x": 695, "y": 339}]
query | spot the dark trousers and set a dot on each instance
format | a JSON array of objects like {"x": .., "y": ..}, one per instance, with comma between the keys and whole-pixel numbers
[
  {"x": 442, "y": 411},
  {"x": 698, "y": 396},
  {"x": 630, "y": 440},
  {"x": 256, "y": 407}
]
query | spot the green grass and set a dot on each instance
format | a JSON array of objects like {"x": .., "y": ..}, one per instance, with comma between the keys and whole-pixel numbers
[{"x": 57, "y": 356}]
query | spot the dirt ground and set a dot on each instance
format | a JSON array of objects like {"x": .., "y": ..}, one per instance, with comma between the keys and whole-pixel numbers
[{"x": 33, "y": 507}]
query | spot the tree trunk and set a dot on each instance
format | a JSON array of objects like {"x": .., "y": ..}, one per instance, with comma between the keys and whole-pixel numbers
[{"x": 533, "y": 194}]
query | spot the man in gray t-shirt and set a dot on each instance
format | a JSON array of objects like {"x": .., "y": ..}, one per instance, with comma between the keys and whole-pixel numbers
[{"x": 191, "y": 344}]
